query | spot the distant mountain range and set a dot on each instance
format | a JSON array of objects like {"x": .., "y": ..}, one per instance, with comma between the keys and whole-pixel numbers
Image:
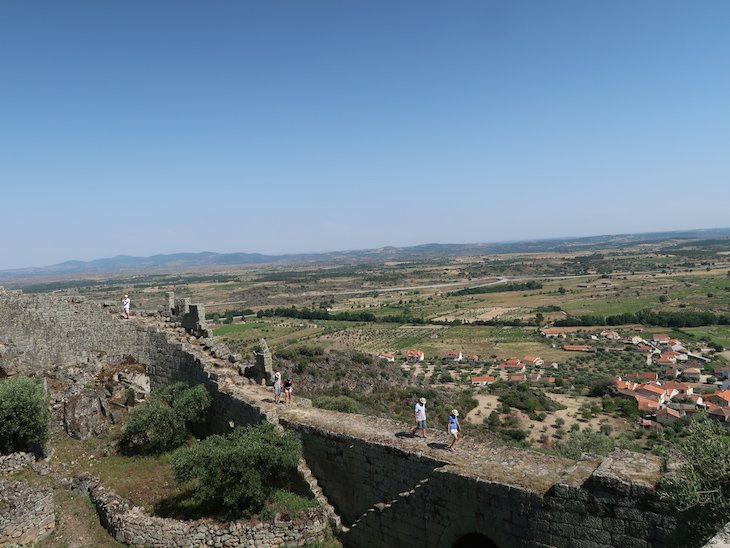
[{"x": 123, "y": 264}]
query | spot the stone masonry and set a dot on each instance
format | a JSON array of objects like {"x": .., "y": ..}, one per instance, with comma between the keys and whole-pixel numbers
[
  {"x": 388, "y": 490},
  {"x": 130, "y": 525},
  {"x": 26, "y": 514}
]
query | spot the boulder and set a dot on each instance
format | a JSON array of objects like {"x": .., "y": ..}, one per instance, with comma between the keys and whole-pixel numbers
[{"x": 86, "y": 414}]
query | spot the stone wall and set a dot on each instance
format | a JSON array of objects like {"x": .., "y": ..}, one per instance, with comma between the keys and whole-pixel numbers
[
  {"x": 389, "y": 492},
  {"x": 394, "y": 498},
  {"x": 130, "y": 525},
  {"x": 26, "y": 514},
  {"x": 15, "y": 461}
]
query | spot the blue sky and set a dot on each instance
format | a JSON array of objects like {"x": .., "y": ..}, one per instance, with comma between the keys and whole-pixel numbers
[{"x": 145, "y": 127}]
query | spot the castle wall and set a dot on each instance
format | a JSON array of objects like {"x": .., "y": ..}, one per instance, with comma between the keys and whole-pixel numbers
[{"x": 387, "y": 494}]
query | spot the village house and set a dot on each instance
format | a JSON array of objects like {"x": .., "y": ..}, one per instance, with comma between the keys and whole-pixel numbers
[
  {"x": 691, "y": 373},
  {"x": 667, "y": 415},
  {"x": 415, "y": 355},
  {"x": 644, "y": 375},
  {"x": 635, "y": 339},
  {"x": 513, "y": 366},
  {"x": 721, "y": 399},
  {"x": 652, "y": 392},
  {"x": 454, "y": 355},
  {"x": 675, "y": 388},
  {"x": 576, "y": 348},
  {"x": 516, "y": 378},
  {"x": 721, "y": 414},
  {"x": 676, "y": 345},
  {"x": 387, "y": 357},
  {"x": 660, "y": 338},
  {"x": 611, "y": 335},
  {"x": 483, "y": 380},
  {"x": 533, "y": 360},
  {"x": 647, "y": 405}
]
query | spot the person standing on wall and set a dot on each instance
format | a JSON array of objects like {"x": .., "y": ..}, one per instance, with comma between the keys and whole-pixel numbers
[
  {"x": 420, "y": 413},
  {"x": 288, "y": 389},
  {"x": 125, "y": 306},
  {"x": 454, "y": 428},
  {"x": 277, "y": 387}
]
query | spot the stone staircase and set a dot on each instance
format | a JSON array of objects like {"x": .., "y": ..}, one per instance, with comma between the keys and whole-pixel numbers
[{"x": 385, "y": 506}]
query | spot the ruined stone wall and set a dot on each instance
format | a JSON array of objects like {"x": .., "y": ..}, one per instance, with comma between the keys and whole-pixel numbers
[
  {"x": 15, "y": 461},
  {"x": 130, "y": 525},
  {"x": 26, "y": 514},
  {"x": 387, "y": 496}
]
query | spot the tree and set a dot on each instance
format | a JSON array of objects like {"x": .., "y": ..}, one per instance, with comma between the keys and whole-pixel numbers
[
  {"x": 587, "y": 441},
  {"x": 23, "y": 415},
  {"x": 153, "y": 428},
  {"x": 700, "y": 487},
  {"x": 237, "y": 473},
  {"x": 162, "y": 424}
]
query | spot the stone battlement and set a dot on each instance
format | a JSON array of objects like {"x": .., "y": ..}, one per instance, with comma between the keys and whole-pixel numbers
[{"x": 388, "y": 490}]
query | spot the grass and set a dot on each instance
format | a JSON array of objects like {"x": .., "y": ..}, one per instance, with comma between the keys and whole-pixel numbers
[{"x": 719, "y": 334}]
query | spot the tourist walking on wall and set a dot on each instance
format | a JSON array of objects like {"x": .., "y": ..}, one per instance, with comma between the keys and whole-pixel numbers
[
  {"x": 277, "y": 387},
  {"x": 420, "y": 412},
  {"x": 454, "y": 428},
  {"x": 125, "y": 306},
  {"x": 288, "y": 389}
]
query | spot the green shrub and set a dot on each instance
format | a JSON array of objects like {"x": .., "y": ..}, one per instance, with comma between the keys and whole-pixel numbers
[
  {"x": 23, "y": 415},
  {"x": 239, "y": 472},
  {"x": 344, "y": 404},
  {"x": 587, "y": 441},
  {"x": 152, "y": 428},
  {"x": 192, "y": 404},
  {"x": 700, "y": 488}
]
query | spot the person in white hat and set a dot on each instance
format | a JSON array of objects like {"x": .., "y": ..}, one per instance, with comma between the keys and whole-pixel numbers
[
  {"x": 420, "y": 413},
  {"x": 125, "y": 306},
  {"x": 454, "y": 428},
  {"x": 277, "y": 387}
]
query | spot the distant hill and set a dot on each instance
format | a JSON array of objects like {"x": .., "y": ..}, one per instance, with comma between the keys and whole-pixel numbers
[{"x": 123, "y": 264}]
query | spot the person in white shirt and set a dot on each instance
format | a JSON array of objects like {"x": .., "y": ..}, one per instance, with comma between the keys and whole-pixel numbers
[
  {"x": 420, "y": 412},
  {"x": 125, "y": 306}
]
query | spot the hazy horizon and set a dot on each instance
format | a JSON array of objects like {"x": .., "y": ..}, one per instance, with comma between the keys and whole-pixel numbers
[
  {"x": 290, "y": 127},
  {"x": 344, "y": 250}
]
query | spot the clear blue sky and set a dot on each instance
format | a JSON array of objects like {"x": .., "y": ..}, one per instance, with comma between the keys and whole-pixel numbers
[{"x": 145, "y": 127}]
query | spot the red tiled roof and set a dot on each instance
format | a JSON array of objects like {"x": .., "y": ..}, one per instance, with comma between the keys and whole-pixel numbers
[
  {"x": 652, "y": 388},
  {"x": 484, "y": 378}
]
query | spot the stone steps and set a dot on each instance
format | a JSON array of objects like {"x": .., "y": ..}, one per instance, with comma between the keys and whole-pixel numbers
[{"x": 386, "y": 505}]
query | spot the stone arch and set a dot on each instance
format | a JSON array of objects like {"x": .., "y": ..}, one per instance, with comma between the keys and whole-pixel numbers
[
  {"x": 472, "y": 532},
  {"x": 474, "y": 540}
]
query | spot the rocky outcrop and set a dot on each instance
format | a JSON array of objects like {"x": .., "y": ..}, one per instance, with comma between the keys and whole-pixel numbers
[{"x": 87, "y": 414}]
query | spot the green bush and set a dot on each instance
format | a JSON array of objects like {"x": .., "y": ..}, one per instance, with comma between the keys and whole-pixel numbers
[
  {"x": 192, "y": 404},
  {"x": 344, "y": 404},
  {"x": 700, "y": 488},
  {"x": 153, "y": 428},
  {"x": 163, "y": 423},
  {"x": 239, "y": 472},
  {"x": 587, "y": 441},
  {"x": 23, "y": 415}
]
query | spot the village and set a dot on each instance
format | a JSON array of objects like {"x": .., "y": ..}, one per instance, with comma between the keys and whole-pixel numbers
[{"x": 677, "y": 382}]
